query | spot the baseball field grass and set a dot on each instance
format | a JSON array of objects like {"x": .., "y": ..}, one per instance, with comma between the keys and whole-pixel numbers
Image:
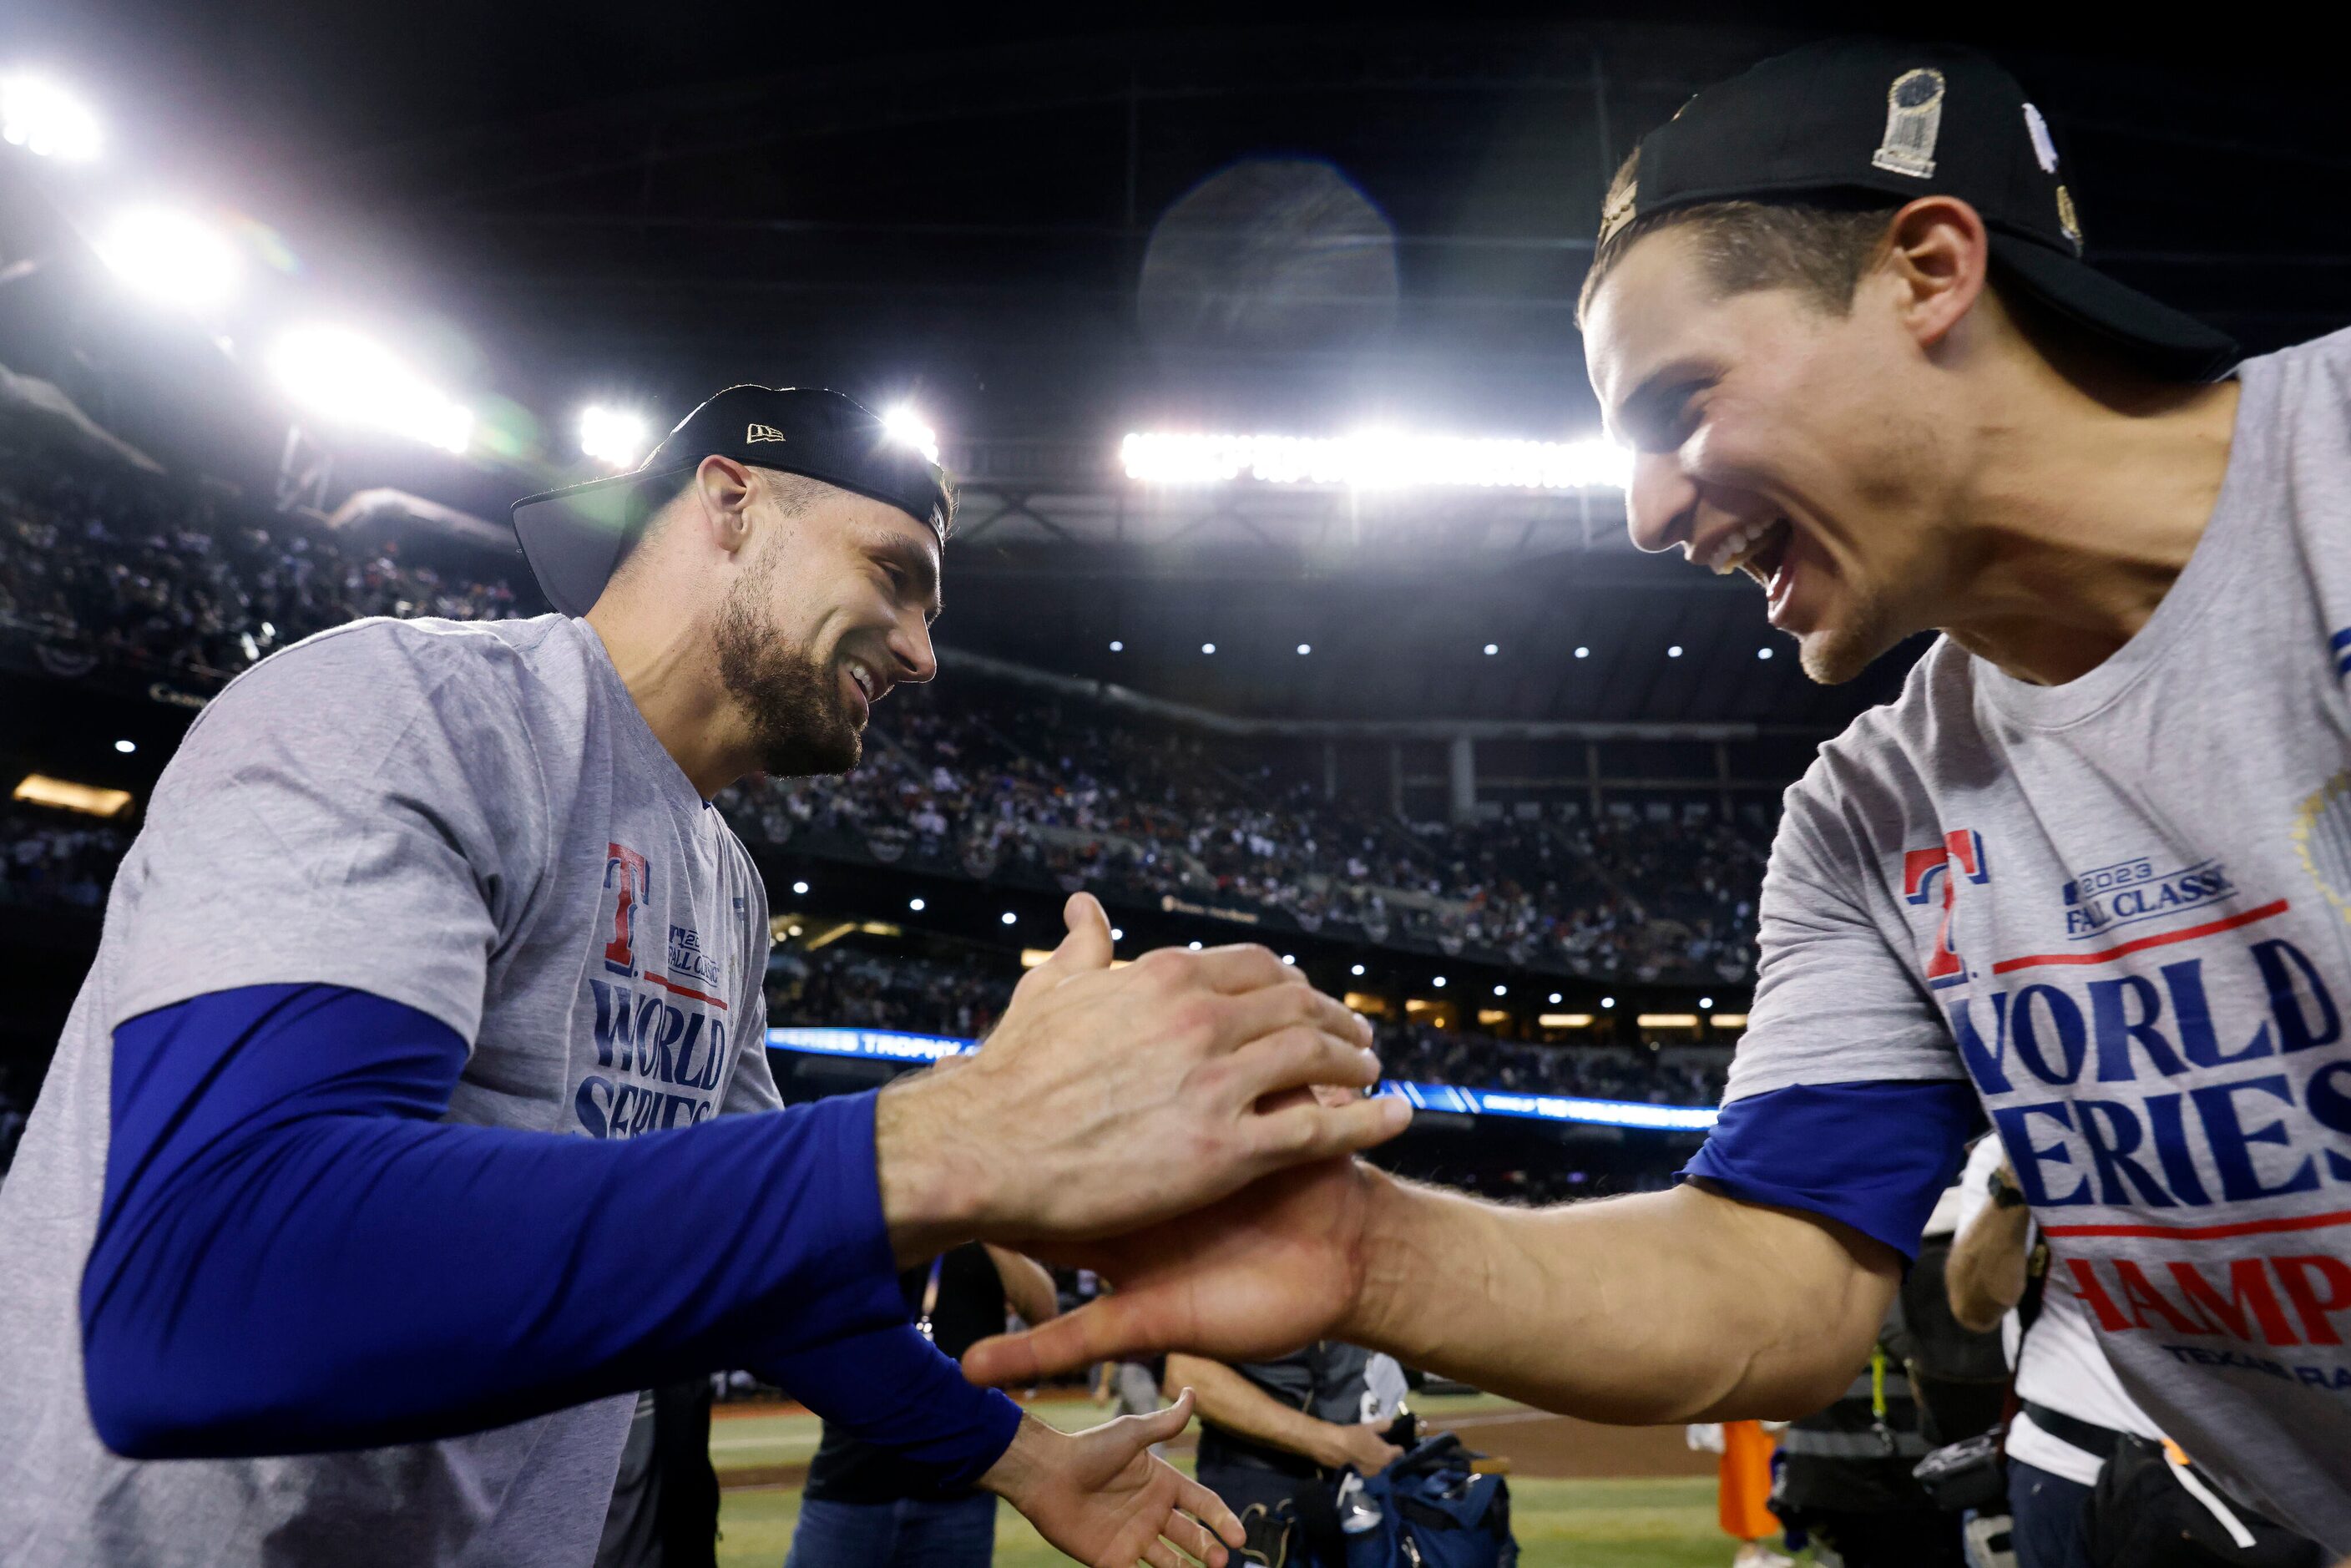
[{"x": 1561, "y": 1522}]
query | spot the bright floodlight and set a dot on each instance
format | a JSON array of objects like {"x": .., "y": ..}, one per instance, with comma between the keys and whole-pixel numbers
[
  {"x": 43, "y": 118},
  {"x": 1377, "y": 460},
  {"x": 614, "y": 436},
  {"x": 902, "y": 423},
  {"x": 171, "y": 259},
  {"x": 340, "y": 375}
]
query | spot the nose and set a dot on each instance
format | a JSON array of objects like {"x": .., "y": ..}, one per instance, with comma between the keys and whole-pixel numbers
[
  {"x": 911, "y": 651},
  {"x": 1661, "y": 506}
]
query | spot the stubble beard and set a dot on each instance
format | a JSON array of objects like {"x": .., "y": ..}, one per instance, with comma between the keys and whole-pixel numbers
[
  {"x": 800, "y": 724},
  {"x": 1836, "y": 654}
]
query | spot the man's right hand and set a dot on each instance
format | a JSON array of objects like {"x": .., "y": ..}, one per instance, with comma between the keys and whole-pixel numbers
[
  {"x": 1108, "y": 1100},
  {"x": 1361, "y": 1446}
]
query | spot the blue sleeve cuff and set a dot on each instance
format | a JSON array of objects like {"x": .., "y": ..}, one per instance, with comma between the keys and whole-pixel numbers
[
  {"x": 1873, "y": 1157},
  {"x": 892, "y": 1388}
]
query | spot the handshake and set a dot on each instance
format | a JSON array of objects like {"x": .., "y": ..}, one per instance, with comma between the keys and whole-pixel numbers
[{"x": 1185, "y": 1126}]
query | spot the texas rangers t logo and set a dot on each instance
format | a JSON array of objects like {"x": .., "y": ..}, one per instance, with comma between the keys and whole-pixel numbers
[
  {"x": 624, "y": 868},
  {"x": 1922, "y": 871}
]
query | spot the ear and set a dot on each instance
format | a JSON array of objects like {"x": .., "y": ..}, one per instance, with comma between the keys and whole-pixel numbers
[
  {"x": 723, "y": 488},
  {"x": 1938, "y": 254}
]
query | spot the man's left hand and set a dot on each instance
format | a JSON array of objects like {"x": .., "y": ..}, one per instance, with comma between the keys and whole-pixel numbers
[{"x": 1102, "y": 1496}]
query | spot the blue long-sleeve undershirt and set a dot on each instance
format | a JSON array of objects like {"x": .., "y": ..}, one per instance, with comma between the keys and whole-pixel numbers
[{"x": 293, "y": 1254}]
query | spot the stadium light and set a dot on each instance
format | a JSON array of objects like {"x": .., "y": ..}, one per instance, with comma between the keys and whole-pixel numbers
[
  {"x": 1492, "y": 649},
  {"x": 1010, "y": 918},
  {"x": 1117, "y": 647},
  {"x": 915, "y": 905},
  {"x": 1116, "y": 934},
  {"x": 800, "y": 888},
  {"x": 1608, "y": 1001},
  {"x": 171, "y": 259},
  {"x": 1376, "y": 460},
  {"x": 1358, "y": 970},
  {"x": 1583, "y": 653},
  {"x": 616, "y": 438},
  {"x": 1438, "y": 982},
  {"x": 126, "y": 747},
  {"x": 342, "y": 375},
  {"x": 45, "y": 119},
  {"x": 1305, "y": 648},
  {"x": 1763, "y": 652},
  {"x": 66, "y": 795},
  {"x": 1208, "y": 647},
  {"x": 1705, "y": 1003},
  {"x": 902, "y": 424}
]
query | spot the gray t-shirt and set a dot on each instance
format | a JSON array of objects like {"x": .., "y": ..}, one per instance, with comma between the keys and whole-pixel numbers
[
  {"x": 470, "y": 819},
  {"x": 2119, "y": 907}
]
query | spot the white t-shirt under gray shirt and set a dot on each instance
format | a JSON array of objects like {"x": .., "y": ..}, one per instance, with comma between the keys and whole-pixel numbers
[
  {"x": 2058, "y": 1364},
  {"x": 2122, "y": 908},
  {"x": 573, "y": 886}
]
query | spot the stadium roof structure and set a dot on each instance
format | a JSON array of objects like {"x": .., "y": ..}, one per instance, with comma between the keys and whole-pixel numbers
[{"x": 1049, "y": 233}]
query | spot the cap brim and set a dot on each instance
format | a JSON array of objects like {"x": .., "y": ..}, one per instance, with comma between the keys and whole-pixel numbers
[
  {"x": 575, "y": 537},
  {"x": 2168, "y": 343}
]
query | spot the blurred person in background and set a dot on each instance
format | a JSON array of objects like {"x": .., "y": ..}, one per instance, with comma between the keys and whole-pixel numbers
[
  {"x": 865, "y": 1507},
  {"x": 1276, "y": 1434},
  {"x": 664, "y": 1508},
  {"x": 2091, "y": 1483},
  {"x": 2071, "y": 1410}
]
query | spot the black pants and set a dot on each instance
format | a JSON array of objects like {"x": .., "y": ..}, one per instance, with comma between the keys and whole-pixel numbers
[
  {"x": 1921, "y": 1539},
  {"x": 1290, "y": 1520}
]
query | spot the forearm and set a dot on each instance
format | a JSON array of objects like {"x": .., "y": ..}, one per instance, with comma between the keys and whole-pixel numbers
[
  {"x": 1671, "y": 1306},
  {"x": 288, "y": 1262},
  {"x": 1228, "y": 1400},
  {"x": 1985, "y": 1273}
]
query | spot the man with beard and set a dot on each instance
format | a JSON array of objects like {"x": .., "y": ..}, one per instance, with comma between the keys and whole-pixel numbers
[
  {"x": 2086, "y": 878},
  {"x": 415, "y": 1114}
]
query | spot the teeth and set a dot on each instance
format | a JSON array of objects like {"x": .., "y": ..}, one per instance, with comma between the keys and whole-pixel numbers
[
  {"x": 1732, "y": 553},
  {"x": 864, "y": 678}
]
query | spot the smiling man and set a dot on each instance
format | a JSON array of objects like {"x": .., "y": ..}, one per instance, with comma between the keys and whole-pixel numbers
[
  {"x": 2088, "y": 877},
  {"x": 416, "y": 1113}
]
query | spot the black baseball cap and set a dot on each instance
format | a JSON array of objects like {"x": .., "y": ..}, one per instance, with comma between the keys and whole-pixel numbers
[
  {"x": 1856, "y": 120},
  {"x": 574, "y": 538}
]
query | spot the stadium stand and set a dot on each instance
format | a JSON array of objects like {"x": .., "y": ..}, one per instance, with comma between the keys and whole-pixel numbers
[
  {"x": 56, "y": 857},
  {"x": 867, "y": 989},
  {"x": 110, "y": 567},
  {"x": 1002, "y": 785}
]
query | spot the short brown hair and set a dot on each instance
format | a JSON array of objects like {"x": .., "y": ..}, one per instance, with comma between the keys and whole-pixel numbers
[{"x": 1818, "y": 250}]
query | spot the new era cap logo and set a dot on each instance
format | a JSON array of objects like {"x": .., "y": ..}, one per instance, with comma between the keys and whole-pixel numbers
[{"x": 762, "y": 433}]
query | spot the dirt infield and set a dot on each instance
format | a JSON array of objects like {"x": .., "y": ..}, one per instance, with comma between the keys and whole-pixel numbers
[{"x": 1538, "y": 1444}]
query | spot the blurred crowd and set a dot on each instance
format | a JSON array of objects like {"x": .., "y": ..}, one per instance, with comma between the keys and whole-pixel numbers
[
  {"x": 1002, "y": 784},
  {"x": 129, "y": 568},
  {"x": 866, "y": 989},
  {"x": 1425, "y": 1055},
  {"x": 56, "y": 857},
  {"x": 116, "y": 566}
]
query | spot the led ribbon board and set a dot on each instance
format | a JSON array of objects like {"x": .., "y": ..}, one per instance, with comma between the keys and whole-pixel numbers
[{"x": 891, "y": 1045}]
